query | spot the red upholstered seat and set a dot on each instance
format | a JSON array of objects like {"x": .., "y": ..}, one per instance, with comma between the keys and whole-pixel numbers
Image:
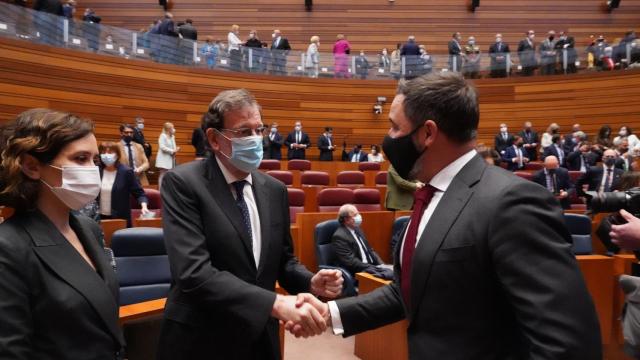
[
  {"x": 364, "y": 166},
  {"x": 534, "y": 166},
  {"x": 524, "y": 174},
  {"x": 154, "y": 204},
  {"x": 574, "y": 175},
  {"x": 350, "y": 178},
  {"x": 332, "y": 198},
  {"x": 381, "y": 178},
  {"x": 317, "y": 178},
  {"x": 285, "y": 176},
  {"x": 269, "y": 164},
  {"x": 367, "y": 199},
  {"x": 297, "y": 164},
  {"x": 296, "y": 202}
]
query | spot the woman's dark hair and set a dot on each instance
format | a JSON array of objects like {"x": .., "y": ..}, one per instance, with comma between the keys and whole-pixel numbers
[
  {"x": 41, "y": 133},
  {"x": 604, "y": 132},
  {"x": 109, "y": 145},
  {"x": 630, "y": 179}
]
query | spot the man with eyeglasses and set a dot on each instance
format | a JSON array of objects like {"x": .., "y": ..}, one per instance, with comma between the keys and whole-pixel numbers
[{"x": 226, "y": 229}]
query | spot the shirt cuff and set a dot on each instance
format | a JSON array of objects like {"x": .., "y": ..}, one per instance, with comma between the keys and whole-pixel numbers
[{"x": 336, "y": 322}]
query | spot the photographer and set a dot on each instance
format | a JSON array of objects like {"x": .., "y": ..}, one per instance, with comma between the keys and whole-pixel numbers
[
  {"x": 626, "y": 236},
  {"x": 619, "y": 230}
]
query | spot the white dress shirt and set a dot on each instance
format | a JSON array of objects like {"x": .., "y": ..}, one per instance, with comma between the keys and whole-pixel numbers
[
  {"x": 363, "y": 253},
  {"x": 441, "y": 182},
  {"x": 605, "y": 177},
  {"x": 234, "y": 41},
  {"x": 108, "y": 178},
  {"x": 251, "y": 204}
]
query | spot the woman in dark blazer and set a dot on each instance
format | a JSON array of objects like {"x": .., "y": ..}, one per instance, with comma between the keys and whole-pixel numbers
[
  {"x": 118, "y": 183},
  {"x": 58, "y": 292}
]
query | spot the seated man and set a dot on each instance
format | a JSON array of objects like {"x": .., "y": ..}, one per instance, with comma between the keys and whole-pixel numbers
[
  {"x": 603, "y": 178},
  {"x": 556, "y": 180},
  {"x": 351, "y": 249},
  {"x": 357, "y": 155}
]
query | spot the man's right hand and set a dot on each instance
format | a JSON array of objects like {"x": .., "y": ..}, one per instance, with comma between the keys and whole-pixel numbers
[
  {"x": 304, "y": 317},
  {"x": 305, "y": 299}
]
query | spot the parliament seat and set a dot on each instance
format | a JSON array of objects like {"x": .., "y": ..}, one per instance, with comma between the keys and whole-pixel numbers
[
  {"x": 534, "y": 166},
  {"x": 524, "y": 174},
  {"x": 574, "y": 175},
  {"x": 369, "y": 166},
  {"x": 296, "y": 202},
  {"x": 381, "y": 178},
  {"x": 331, "y": 199},
  {"x": 324, "y": 254},
  {"x": 579, "y": 227},
  {"x": 367, "y": 199},
  {"x": 154, "y": 204},
  {"x": 285, "y": 176},
  {"x": 297, "y": 164},
  {"x": 269, "y": 164},
  {"x": 350, "y": 178},
  {"x": 314, "y": 178}
]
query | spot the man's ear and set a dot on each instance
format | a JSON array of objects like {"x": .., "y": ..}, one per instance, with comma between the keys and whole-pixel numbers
[
  {"x": 30, "y": 166},
  {"x": 430, "y": 129},
  {"x": 211, "y": 137}
]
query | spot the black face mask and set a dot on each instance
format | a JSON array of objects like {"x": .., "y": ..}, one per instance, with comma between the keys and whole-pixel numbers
[
  {"x": 402, "y": 153},
  {"x": 609, "y": 162},
  {"x": 551, "y": 171},
  {"x": 127, "y": 138}
]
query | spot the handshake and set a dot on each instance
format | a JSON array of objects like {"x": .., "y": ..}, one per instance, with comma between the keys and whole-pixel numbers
[{"x": 305, "y": 315}]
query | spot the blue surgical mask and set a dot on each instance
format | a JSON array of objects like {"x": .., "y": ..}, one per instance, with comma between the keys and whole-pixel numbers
[
  {"x": 141, "y": 126},
  {"x": 108, "y": 159},
  {"x": 246, "y": 152},
  {"x": 357, "y": 220}
]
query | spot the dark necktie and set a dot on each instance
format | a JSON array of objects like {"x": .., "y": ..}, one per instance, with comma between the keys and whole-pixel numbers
[
  {"x": 422, "y": 199},
  {"x": 364, "y": 247},
  {"x": 607, "y": 183},
  {"x": 242, "y": 206},
  {"x": 130, "y": 155}
]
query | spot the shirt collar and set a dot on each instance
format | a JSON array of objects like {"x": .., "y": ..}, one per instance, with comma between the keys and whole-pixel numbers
[
  {"x": 228, "y": 177},
  {"x": 443, "y": 179}
]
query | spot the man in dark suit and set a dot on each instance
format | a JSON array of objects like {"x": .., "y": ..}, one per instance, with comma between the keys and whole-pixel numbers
[
  {"x": 138, "y": 136},
  {"x": 603, "y": 178},
  {"x": 411, "y": 53},
  {"x": 625, "y": 158},
  {"x": 226, "y": 230},
  {"x": 356, "y": 154},
  {"x": 297, "y": 142},
  {"x": 199, "y": 142},
  {"x": 350, "y": 247},
  {"x": 567, "y": 43},
  {"x": 515, "y": 156},
  {"x": 530, "y": 141},
  {"x": 498, "y": 52},
  {"x": 326, "y": 145},
  {"x": 527, "y": 54},
  {"x": 455, "y": 49},
  {"x": 188, "y": 31},
  {"x": 548, "y": 54},
  {"x": 275, "y": 143},
  {"x": 556, "y": 150},
  {"x": 503, "y": 139},
  {"x": 279, "y": 50},
  {"x": 468, "y": 278},
  {"x": 582, "y": 158},
  {"x": 556, "y": 180},
  {"x": 572, "y": 139}
]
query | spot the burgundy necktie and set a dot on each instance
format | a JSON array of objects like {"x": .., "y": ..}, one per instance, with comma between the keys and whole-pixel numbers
[{"x": 422, "y": 198}]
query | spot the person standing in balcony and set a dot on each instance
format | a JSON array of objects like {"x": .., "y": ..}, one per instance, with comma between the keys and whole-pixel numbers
[{"x": 341, "y": 51}]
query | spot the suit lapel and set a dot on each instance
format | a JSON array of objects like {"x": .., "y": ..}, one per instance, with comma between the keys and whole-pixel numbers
[
  {"x": 54, "y": 250},
  {"x": 261, "y": 194},
  {"x": 445, "y": 215},
  {"x": 222, "y": 195}
]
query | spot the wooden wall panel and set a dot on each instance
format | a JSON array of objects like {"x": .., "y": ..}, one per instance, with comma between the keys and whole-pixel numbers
[{"x": 112, "y": 91}]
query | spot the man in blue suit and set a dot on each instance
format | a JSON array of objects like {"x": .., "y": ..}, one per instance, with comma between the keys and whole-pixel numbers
[
  {"x": 556, "y": 180},
  {"x": 357, "y": 155},
  {"x": 515, "y": 156},
  {"x": 556, "y": 150},
  {"x": 275, "y": 143},
  {"x": 411, "y": 52}
]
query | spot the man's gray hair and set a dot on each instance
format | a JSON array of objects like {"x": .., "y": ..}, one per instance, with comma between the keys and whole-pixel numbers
[
  {"x": 345, "y": 211},
  {"x": 226, "y": 101}
]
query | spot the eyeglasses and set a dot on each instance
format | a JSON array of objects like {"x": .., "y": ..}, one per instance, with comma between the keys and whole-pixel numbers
[{"x": 244, "y": 132}]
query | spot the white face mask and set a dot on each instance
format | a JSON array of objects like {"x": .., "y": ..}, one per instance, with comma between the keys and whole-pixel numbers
[
  {"x": 80, "y": 185},
  {"x": 298, "y": 128},
  {"x": 503, "y": 129}
]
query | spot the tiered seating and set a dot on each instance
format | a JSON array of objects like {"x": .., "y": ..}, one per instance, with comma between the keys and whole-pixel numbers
[
  {"x": 331, "y": 199},
  {"x": 154, "y": 204},
  {"x": 314, "y": 178},
  {"x": 296, "y": 202},
  {"x": 297, "y": 164},
  {"x": 269, "y": 164},
  {"x": 381, "y": 178},
  {"x": 367, "y": 199},
  {"x": 285, "y": 176},
  {"x": 368, "y": 166},
  {"x": 350, "y": 178}
]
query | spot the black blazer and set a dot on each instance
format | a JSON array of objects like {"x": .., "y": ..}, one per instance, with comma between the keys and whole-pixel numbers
[
  {"x": 563, "y": 182},
  {"x": 362, "y": 157},
  {"x": 296, "y": 153},
  {"x": 527, "y": 54},
  {"x": 275, "y": 147},
  {"x": 501, "y": 144},
  {"x": 347, "y": 252},
  {"x": 125, "y": 185},
  {"x": 593, "y": 177},
  {"x": 574, "y": 163},
  {"x": 220, "y": 304},
  {"x": 199, "y": 142},
  {"x": 188, "y": 31},
  {"x": 530, "y": 138},
  {"x": 49, "y": 6},
  {"x": 509, "y": 154},
  {"x": 53, "y": 304},
  {"x": 478, "y": 290},
  {"x": 551, "y": 150},
  {"x": 325, "y": 153},
  {"x": 283, "y": 45}
]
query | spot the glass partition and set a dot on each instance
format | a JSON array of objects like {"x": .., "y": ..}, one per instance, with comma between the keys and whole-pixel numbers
[{"x": 91, "y": 36}]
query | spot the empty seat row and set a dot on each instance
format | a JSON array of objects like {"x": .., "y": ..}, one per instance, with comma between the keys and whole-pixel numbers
[
  {"x": 321, "y": 178},
  {"x": 305, "y": 165},
  {"x": 330, "y": 200}
]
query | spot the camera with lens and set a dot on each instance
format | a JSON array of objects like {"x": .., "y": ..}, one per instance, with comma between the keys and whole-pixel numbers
[{"x": 615, "y": 201}]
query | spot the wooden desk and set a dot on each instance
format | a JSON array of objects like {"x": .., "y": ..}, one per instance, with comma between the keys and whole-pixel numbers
[
  {"x": 140, "y": 222},
  {"x": 141, "y": 310},
  {"x": 109, "y": 226},
  {"x": 295, "y": 239},
  {"x": 375, "y": 224},
  {"x": 599, "y": 275}
]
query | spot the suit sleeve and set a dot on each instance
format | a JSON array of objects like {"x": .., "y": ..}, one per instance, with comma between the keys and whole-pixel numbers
[
  {"x": 135, "y": 188},
  {"x": 556, "y": 313},
  {"x": 191, "y": 267},
  {"x": 17, "y": 323},
  {"x": 583, "y": 179},
  {"x": 293, "y": 276},
  {"x": 165, "y": 145},
  {"x": 144, "y": 166},
  {"x": 289, "y": 140},
  {"x": 306, "y": 140},
  {"x": 344, "y": 254},
  {"x": 322, "y": 144}
]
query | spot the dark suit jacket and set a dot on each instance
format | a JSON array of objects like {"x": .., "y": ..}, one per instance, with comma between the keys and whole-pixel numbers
[
  {"x": 477, "y": 288},
  {"x": 509, "y": 154},
  {"x": 167, "y": 27},
  {"x": 410, "y": 48},
  {"x": 347, "y": 252},
  {"x": 53, "y": 304},
  {"x": 296, "y": 153},
  {"x": 593, "y": 177},
  {"x": 219, "y": 304},
  {"x": 500, "y": 144},
  {"x": 531, "y": 138},
  {"x": 199, "y": 141},
  {"x": 275, "y": 147},
  {"x": 527, "y": 53},
  {"x": 124, "y": 186},
  {"x": 49, "y": 6},
  {"x": 494, "y": 53},
  {"x": 551, "y": 150},
  {"x": 323, "y": 145},
  {"x": 188, "y": 31},
  {"x": 283, "y": 45},
  {"x": 620, "y": 163},
  {"x": 563, "y": 182},
  {"x": 362, "y": 157},
  {"x": 573, "y": 160}
]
